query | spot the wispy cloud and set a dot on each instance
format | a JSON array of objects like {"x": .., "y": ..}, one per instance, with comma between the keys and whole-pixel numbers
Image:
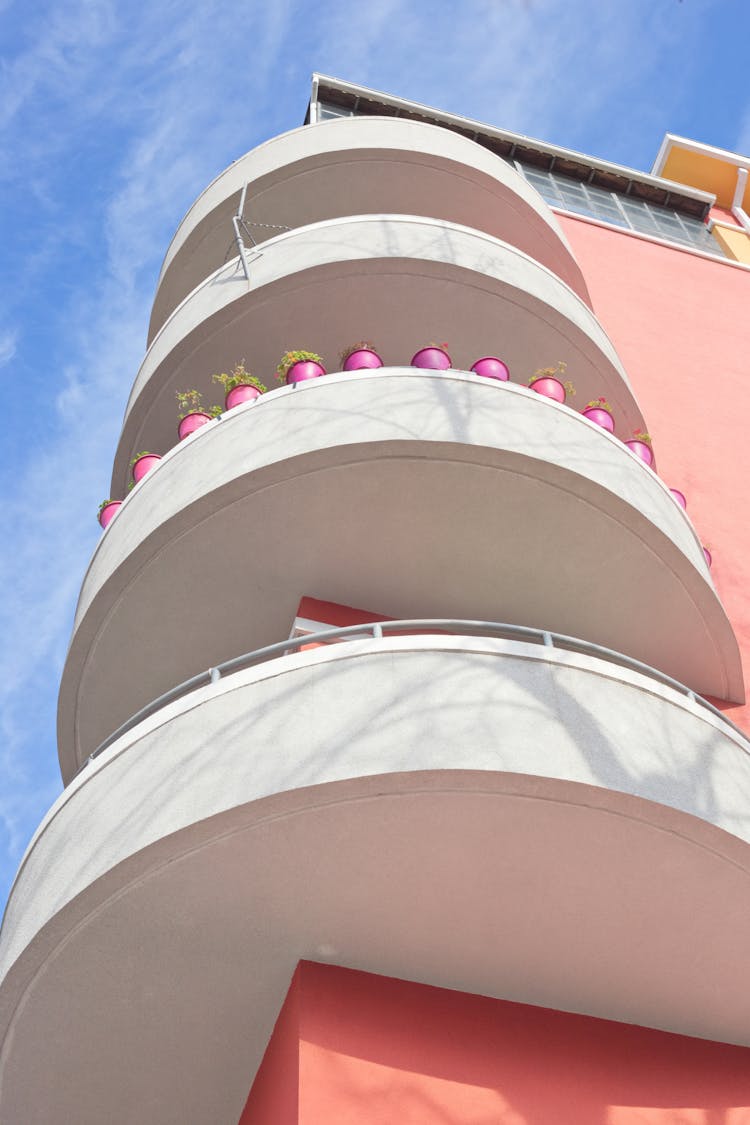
[
  {"x": 156, "y": 105},
  {"x": 8, "y": 340},
  {"x": 109, "y": 127}
]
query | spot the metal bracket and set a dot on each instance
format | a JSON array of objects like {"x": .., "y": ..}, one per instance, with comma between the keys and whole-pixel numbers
[{"x": 242, "y": 225}]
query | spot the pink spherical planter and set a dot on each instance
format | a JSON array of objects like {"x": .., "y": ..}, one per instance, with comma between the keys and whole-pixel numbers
[
  {"x": 306, "y": 369},
  {"x": 361, "y": 360},
  {"x": 144, "y": 465},
  {"x": 642, "y": 450},
  {"x": 709, "y": 559},
  {"x": 108, "y": 512},
  {"x": 192, "y": 422},
  {"x": 549, "y": 387},
  {"x": 491, "y": 368},
  {"x": 433, "y": 359},
  {"x": 243, "y": 392},
  {"x": 679, "y": 497},
  {"x": 600, "y": 417}
]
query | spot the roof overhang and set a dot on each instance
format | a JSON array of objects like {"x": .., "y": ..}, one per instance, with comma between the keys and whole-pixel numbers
[{"x": 653, "y": 187}]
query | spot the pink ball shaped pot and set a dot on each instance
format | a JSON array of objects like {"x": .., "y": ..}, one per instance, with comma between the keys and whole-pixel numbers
[
  {"x": 144, "y": 465},
  {"x": 108, "y": 512},
  {"x": 243, "y": 392},
  {"x": 641, "y": 449},
  {"x": 433, "y": 359},
  {"x": 600, "y": 417},
  {"x": 491, "y": 368},
  {"x": 709, "y": 559},
  {"x": 549, "y": 387},
  {"x": 679, "y": 497},
  {"x": 306, "y": 369},
  {"x": 192, "y": 422},
  {"x": 361, "y": 360}
]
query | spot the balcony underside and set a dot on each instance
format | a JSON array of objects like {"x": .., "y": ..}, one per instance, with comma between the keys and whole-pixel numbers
[
  {"x": 484, "y": 815},
  {"x": 398, "y": 281},
  {"x": 378, "y": 490},
  {"x": 374, "y": 165}
]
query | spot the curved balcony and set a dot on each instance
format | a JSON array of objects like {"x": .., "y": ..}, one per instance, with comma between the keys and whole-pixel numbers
[
  {"x": 363, "y": 166},
  {"x": 408, "y": 806},
  {"x": 403, "y": 492},
  {"x": 399, "y": 281}
]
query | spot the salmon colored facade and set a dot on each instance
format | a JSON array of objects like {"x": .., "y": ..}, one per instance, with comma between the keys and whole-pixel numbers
[
  {"x": 357, "y": 1049},
  {"x": 680, "y": 323}
]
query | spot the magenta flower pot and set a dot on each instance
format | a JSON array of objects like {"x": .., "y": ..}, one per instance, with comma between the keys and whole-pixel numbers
[
  {"x": 491, "y": 368},
  {"x": 144, "y": 465},
  {"x": 549, "y": 387},
  {"x": 306, "y": 369},
  {"x": 361, "y": 360},
  {"x": 243, "y": 392},
  {"x": 642, "y": 450},
  {"x": 108, "y": 512},
  {"x": 433, "y": 359},
  {"x": 600, "y": 417},
  {"x": 679, "y": 497},
  {"x": 709, "y": 559},
  {"x": 192, "y": 422}
]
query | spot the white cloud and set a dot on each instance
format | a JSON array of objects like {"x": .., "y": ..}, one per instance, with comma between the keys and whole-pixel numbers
[
  {"x": 166, "y": 89},
  {"x": 8, "y": 342},
  {"x": 152, "y": 111}
]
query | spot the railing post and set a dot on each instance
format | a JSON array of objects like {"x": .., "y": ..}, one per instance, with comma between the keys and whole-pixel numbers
[
  {"x": 547, "y": 638},
  {"x": 215, "y": 675},
  {"x": 377, "y": 630}
]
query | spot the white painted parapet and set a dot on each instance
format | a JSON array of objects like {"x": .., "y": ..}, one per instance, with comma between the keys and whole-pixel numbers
[
  {"x": 354, "y": 167},
  {"x": 411, "y": 494},
  {"x": 432, "y": 808}
]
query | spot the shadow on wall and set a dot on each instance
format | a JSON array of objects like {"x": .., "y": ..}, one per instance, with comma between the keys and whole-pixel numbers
[{"x": 373, "y": 1050}]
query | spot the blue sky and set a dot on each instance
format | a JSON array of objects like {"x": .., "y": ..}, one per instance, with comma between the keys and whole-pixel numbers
[{"x": 113, "y": 117}]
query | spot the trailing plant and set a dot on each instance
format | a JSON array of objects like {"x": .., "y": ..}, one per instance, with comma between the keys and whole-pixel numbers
[
  {"x": 361, "y": 346},
  {"x": 641, "y": 435},
  {"x": 146, "y": 453},
  {"x": 238, "y": 377},
  {"x": 191, "y": 402},
  {"x": 555, "y": 372},
  {"x": 289, "y": 359},
  {"x": 599, "y": 404}
]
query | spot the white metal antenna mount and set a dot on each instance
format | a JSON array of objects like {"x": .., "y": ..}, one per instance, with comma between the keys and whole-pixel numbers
[{"x": 242, "y": 226}]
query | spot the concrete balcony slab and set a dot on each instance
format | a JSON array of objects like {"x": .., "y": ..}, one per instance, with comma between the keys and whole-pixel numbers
[
  {"x": 411, "y": 494},
  {"x": 432, "y": 808},
  {"x": 368, "y": 165}
]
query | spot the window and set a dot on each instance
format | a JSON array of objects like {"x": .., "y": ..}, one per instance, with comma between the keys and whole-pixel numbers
[{"x": 621, "y": 210}]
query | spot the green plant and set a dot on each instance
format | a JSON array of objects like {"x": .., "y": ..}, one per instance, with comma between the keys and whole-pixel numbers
[
  {"x": 191, "y": 402},
  {"x": 145, "y": 453},
  {"x": 238, "y": 377},
  {"x": 641, "y": 435},
  {"x": 360, "y": 346},
  {"x": 553, "y": 373},
  {"x": 290, "y": 358},
  {"x": 599, "y": 404}
]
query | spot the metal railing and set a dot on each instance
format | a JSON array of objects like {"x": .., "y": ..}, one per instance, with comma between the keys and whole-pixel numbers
[{"x": 423, "y": 625}]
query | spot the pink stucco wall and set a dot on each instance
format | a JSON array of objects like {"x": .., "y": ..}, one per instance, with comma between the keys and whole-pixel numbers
[
  {"x": 681, "y": 325},
  {"x": 360, "y": 1049}
]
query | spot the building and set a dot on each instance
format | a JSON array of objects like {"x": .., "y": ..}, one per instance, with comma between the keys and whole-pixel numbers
[{"x": 500, "y": 852}]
